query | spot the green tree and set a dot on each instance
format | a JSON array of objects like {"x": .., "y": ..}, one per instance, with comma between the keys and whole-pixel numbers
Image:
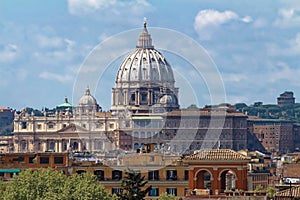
[
  {"x": 259, "y": 188},
  {"x": 132, "y": 185},
  {"x": 270, "y": 191},
  {"x": 47, "y": 184},
  {"x": 240, "y": 106},
  {"x": 165, "y": 196}
]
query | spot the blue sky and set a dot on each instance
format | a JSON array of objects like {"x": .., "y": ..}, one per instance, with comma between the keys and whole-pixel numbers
[{"x": 255, "y": 44}]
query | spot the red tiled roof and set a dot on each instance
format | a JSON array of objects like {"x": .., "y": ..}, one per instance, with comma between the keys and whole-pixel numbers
[{"x": 217, "y": 154}]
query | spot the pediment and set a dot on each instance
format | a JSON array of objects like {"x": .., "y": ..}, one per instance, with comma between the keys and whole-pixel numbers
[{"x": 72, "y": 128}]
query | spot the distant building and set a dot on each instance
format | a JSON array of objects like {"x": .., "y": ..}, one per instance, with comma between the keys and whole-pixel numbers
[
  {"x": 297, "y": 136},
  {"x": 6, "y": 120},
  {"x": 259, "y": 172},
  {"x": 275, "y": 135},
  {"x": 286, "y": 98}
]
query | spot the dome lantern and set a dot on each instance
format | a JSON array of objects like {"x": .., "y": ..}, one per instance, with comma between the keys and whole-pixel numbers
[{"x": 145, "y": 41}]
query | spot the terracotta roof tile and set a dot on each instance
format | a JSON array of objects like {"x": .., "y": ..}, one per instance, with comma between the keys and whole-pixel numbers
[{"x": 217, "y": 154}]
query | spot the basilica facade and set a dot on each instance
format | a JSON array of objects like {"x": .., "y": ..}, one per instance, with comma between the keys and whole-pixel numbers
[{"x": 145, "y": 110}]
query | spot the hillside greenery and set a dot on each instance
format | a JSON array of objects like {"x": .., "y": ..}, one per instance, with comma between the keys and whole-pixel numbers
[{"x": 271, "y": 111}]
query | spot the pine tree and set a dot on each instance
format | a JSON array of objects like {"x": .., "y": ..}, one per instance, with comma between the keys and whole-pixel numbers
[{"x": 132, "y": 186}]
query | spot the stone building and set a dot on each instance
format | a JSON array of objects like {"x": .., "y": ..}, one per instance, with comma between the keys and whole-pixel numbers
[
  {"x": 83, "y": 130},
  {"x": 275, "y": 135},
  {"x": 286, "y": 98},
  {"x": 6, "y": 120},
  {"x": 145, "y": 110},
  {"x": 207, "y": 173}
]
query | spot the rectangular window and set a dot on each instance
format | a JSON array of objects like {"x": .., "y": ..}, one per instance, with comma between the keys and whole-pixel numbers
[
  {"x": 172, "y": 191},
  {"x": 99, "y": 174},
  {"x": 32, "y": 160},
  {"x": 171, "y": 175},
  {"x": 116, "y": 190},
  {"x": 116, "y": 175},
  {"x": 44, "y": 160},
  {"x": 50, "y": 126},
  {"x": 132, "y": 97},
  {"x": 39, "y": 126},
  {"x": 153, "y": 175},
  {"x": 186, "y": 175},
  {"x": 58, "y": 160},
  {"x": 24, "y": 125},
  {"x": 154, "y": 192},
  {"x": 80, "y": 171}
]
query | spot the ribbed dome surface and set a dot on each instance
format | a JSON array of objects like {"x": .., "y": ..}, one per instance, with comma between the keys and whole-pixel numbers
[
  {"x": 87, "y": 99},
  {"x": 145, "y": 64},
  {"x": 167, "y": 99}
]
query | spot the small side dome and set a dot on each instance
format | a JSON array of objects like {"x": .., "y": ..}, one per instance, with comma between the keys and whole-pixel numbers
[
  {"x": 87, "y": 99},
  {"x": 167, "y": 99},
  {"x": 87, "y": 104}
]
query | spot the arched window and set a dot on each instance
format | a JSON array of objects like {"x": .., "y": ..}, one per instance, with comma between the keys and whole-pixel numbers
[
  {"x": 75, "y": 146},
  {"x": 52, "y": 145},
  {"x": 136, "y": 146},
  {"x": 65, "y": 146},
  {"x": 23, "y": 145},
  {"x": 100, "y": 145},
  {"x": 136, "y": 135}
]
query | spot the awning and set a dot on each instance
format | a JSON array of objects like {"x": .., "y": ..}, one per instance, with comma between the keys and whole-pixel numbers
[
  {"x": 147, "y": 118},
  {"x": 10, "y": 170}
]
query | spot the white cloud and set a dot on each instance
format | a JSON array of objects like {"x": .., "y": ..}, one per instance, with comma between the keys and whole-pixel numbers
[
  {"x": 234, "y": 77},
  {"x": 8, "y": 53},
  {"x": 247, "y": 19},
  {"x": 49, "y": 42},
  {"x": 207, "y": 21},
  {"x": 69, "y": 43},
  {"x": 282, "y": 71},
  {"x": 80, "y": 7},
  {"x": 289, "y": 47},
  {"x": 213, "y": 17},
  {"x": 295, "y": 45},
  {"x": 233, "y": 99},
  {"x": 260, "y": 23},
  {"x": 288, "y": 17},
  {"x": 57, "y": 77}
]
